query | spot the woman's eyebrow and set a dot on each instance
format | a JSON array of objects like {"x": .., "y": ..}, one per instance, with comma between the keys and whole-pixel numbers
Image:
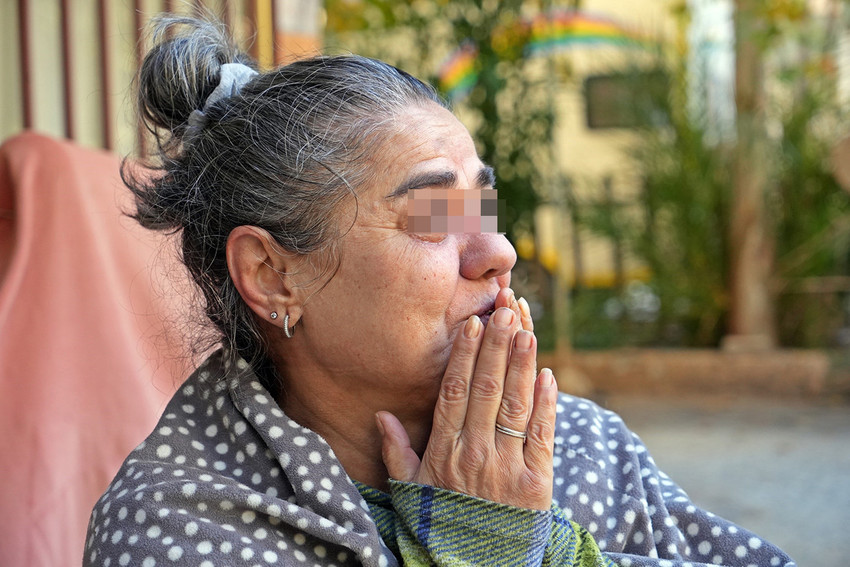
[
  {"x": 486, "y": 178},
  {"x": 446, "y": 179}
]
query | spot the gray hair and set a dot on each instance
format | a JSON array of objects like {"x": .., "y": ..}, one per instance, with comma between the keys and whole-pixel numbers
[{"x": 282, "y": 155}]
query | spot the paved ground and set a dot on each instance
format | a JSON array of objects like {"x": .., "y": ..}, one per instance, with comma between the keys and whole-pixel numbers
[{"x": 779, "y": 468}]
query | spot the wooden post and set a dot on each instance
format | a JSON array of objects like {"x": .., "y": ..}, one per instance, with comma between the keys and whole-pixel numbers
[
  {"x": 752, "y": 320},
  {"x": 296, "y": 29},
  {"x": 25, "y": 59},
  {"x": 139, "y": 25},
  {"x": 612, "y": 208},
  {"x": 105, "y": 49},
  {"x": 67, "y": 70},
  {"x": 575, "y": 237}
]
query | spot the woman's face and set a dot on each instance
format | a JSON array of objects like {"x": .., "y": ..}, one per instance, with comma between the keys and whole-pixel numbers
[{"x": 385, "y": 323}]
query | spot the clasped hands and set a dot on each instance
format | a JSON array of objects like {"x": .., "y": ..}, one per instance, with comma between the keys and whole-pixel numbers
[{"x": 491, "y": 379}]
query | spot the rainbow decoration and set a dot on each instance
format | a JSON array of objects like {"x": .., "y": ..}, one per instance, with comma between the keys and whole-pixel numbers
[
  {"x": 459, "y": 73},
  {"x": 546, "y": 33},
  {"x": 563, "y": 29}
]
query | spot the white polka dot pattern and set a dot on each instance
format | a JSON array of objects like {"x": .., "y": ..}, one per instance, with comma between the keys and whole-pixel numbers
[
  {"x": 227, "y": 479},
  {"x": 607, "y": 482}
]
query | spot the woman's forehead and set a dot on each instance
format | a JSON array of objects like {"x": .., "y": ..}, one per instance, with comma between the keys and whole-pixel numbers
[
  {"x": 435, "y": 177},
  {"x": 426, "y": 140},
  {"x": 431, "y": 129}
]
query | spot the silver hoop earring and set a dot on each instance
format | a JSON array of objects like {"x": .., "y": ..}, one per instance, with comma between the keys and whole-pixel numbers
[{"x": 286, "y": 329}]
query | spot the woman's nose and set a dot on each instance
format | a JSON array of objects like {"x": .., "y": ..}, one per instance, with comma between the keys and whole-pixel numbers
[{"x": 486, "y": 256}]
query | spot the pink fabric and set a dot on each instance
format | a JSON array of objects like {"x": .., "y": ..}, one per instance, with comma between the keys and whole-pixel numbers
[{"x": 87, "y": 360}]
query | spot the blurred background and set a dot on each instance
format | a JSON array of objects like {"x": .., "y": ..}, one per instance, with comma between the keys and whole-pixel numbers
[
  {"x": 676, "y": 175},
  {"x": 651, "y": 203}
]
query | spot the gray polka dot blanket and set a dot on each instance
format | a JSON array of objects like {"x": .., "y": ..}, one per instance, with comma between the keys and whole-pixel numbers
[{"x": 227, "y": 479}]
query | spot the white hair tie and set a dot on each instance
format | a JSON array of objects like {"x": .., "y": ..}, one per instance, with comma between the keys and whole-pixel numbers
[{"x": 233, "y": 76}]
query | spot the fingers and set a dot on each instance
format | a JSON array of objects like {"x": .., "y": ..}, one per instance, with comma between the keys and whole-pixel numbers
[
  {"x": 540, "y": 443},
  {"x": 506, "y": 298},
  {"x": 525, "y": 315},
  {"x": 497, "y": 397},
  {"x": 515, "y": 406},
  {"x": 485, "y": 393},
  {"x": 490, "y": 380},
  {"x": 451, "y": 407},
  {"x": 401, "y": 461}
]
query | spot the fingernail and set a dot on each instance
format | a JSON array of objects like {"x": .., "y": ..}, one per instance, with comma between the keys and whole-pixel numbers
[
  {"x": 503, "y": 317},
  {"x": 523, "y": 340},
  {"x": 523, "y": 307},
  {"x": 472, "y": 327},
  {"x": 547, "y": 379}
]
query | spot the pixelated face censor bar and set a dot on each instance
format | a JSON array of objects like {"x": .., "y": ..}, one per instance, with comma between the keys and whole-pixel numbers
[{"x": 455, "y": 211}]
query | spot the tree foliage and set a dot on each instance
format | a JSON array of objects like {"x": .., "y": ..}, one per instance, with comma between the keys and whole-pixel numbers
[{"x": 683, "y": 233}]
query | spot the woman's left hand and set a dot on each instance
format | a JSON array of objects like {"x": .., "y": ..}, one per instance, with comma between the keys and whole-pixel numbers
[{"x": 488, "y": 381}]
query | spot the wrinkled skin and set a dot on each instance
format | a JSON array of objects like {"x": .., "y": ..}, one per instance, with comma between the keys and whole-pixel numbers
[{"x": 379, "y": 364}]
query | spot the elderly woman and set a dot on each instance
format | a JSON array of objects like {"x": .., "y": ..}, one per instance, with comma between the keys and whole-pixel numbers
[{"x": 375, "y": 399}]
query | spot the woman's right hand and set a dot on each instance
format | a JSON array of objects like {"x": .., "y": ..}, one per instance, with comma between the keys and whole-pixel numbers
[{"x": 491, "y": 379}]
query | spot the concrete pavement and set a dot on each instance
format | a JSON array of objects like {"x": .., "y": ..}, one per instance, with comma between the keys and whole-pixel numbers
[{"x": 777, "y": 467}]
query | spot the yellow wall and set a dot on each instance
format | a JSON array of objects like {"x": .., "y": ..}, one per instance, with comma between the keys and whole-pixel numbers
[{"x": 587, "y": 156}]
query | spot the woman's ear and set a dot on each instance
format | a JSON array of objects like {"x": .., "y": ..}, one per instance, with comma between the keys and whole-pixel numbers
[{"x": 260, "y": 271}]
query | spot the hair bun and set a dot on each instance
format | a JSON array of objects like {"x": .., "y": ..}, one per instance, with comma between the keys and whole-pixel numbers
[{"x": 180, "y": 72}]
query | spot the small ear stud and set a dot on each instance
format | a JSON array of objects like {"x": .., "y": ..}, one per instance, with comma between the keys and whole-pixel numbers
[{"x": 273, "y": 315}]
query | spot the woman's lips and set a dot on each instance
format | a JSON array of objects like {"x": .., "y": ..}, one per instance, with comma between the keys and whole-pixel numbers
[{"x": 485, "y": 315}]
